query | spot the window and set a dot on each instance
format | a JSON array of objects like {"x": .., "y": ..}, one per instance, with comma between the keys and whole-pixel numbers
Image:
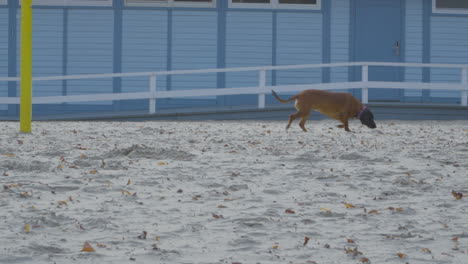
[
  {"x": 189, "y": 3},
  {"x": 276, "y": 4},
  {"x": 73, "y": 2},
  {"x": 450, "y": 6},
  {"x": 3, "y": 2}
]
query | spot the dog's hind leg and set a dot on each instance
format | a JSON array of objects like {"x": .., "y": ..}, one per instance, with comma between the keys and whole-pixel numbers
[
  {"x": 294, "y": 117},
  {"x": 303, "y": 121}
]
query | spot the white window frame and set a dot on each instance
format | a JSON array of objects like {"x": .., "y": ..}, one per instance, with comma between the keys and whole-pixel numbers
[
  {"x": 448, "y": 10},
  {"x": 72, "y": 2},
  {"x": 170, "y": 3},
  {"x": 274, "y": 4}
]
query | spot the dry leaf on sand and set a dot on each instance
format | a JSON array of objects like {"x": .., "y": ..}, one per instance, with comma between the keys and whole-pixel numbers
[{"x": 87, "y": 247}]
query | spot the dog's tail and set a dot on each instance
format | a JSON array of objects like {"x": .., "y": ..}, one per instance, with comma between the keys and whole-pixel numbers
[{"x": 282, "y": 100}]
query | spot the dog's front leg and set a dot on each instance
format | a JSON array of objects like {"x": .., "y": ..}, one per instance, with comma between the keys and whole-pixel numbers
[{"x": 345, "y": 125}]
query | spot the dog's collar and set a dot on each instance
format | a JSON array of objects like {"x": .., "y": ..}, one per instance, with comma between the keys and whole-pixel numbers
[{"x": 362, "y": 111}]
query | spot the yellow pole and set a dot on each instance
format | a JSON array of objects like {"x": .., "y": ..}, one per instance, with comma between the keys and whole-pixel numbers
[{"x": 26, "y": 67}]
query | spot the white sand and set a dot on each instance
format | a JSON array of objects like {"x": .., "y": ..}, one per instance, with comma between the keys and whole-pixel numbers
[{"x": 222, "y": 193}]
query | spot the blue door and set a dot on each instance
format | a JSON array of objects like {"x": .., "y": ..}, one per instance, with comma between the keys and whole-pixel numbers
[{"x": 377, "y": 35}]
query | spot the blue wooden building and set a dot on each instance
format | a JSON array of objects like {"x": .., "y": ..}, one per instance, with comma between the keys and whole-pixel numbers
[{"x": 107, "y": 36}]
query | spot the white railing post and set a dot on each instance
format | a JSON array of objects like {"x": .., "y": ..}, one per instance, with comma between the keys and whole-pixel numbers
[
  {"x": 152, "y": 99},
  {"x": 261, "y": 86},
  {"x": 464, "y": 80},
  {"x": 365, "y": 79}
]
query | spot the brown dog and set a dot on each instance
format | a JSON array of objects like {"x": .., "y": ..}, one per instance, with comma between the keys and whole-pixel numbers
[{"x": 340, "y": 106}]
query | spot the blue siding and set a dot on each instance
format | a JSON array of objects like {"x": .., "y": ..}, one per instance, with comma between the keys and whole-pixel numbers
[
  {"x": 414, "y": 43},
  {"x": 90, "y": 47},
  {"x": 340, "y": 30},
  {"x": 194, "y": 41},
  {"x": 3, "y": 53},
  {"x": 299, "y": 41},
  {"x": 449, "y": 42},
  {"x": 47, "y": 50},
  {"x": 144, "y": 47},
  {"x": 247, "y": 45}
]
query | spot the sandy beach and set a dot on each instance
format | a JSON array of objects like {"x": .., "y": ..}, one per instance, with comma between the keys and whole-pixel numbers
[{"x": 234, "y": 192}]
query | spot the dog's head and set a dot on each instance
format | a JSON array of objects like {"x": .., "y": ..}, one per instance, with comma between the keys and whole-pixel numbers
[{"x": 367, "y": 118}]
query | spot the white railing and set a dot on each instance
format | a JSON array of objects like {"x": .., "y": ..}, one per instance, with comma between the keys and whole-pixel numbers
[{"x": 261, "y": 89}]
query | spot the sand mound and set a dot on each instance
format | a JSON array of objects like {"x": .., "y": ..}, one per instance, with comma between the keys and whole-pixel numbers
[{"x": 143, "y": 151}]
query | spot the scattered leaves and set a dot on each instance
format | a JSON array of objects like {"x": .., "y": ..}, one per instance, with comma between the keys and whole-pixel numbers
[
  {"x": 401, "y": 255},
  {"x": 216, "y": 216},
  {"x": 364, "y": 260},
  {"x": 455, "y": 239},
  {"x": 101, "y": 245},
  {"x": 93, "y": 172},
  {"x": 426, "y": 250},
  {"x": 373, "y": 212},
  {"x": 325, "y": 210},
  {"x": 6, "y": 174},
  {"x": 27, "y": 228},
  {"x": 143, "y": 235},
  {"x": 457, "y": 195},
  {"x": 306, "y": 240},
  {"x": 347, "y": 205},
  {"x": 354, "y": 252},
  {"x": 161, "y": 163},
  {"x": 125, "y": 192},
  {"x": 289, "y": 211},
  {"x": 9, "y": 155},
  {"x": 349, "y": 240},
  {"x": 222, "y": 206},
  {"x": 87, "y": 247},
  {"x": 20, "y": 142},
  {"x": 62, "y": 202},
  {"x": 276, "y": 246},
  {"x": 11, "y": 186},
  {"x": 129, "y": 182}
]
